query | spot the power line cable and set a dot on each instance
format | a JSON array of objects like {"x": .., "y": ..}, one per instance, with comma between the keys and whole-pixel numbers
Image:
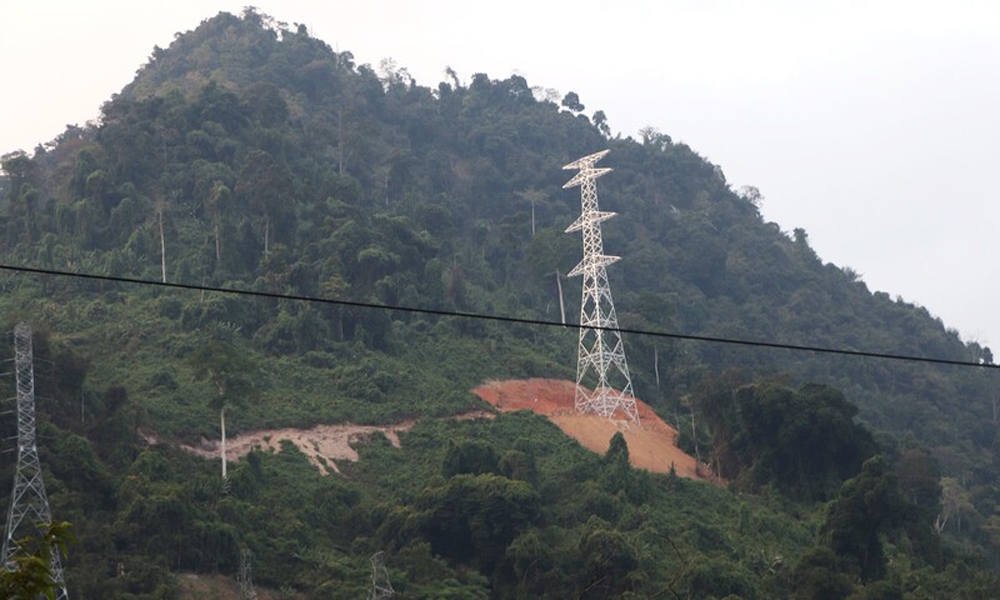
[{"x": 498, "y": 318}]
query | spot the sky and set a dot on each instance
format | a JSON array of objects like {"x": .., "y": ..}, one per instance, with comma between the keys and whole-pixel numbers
[{"x": 873, "y": 125}]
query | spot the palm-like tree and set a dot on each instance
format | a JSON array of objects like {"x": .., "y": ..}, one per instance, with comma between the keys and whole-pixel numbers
[{"x": 222, "y": 365}]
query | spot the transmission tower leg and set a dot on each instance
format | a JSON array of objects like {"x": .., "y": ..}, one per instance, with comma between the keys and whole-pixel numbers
[
  {"x": 380, "y": 587},
  {"x": 247, "y": 591},
  {"x": 29, "y": 505}
]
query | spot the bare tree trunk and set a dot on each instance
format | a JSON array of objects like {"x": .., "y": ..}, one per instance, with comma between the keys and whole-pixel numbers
[
  {"x": 532, "y": 219},
  {"x": 340, "y": 140},
  {"x": 656, "y": 364},
  {"x": 218, "y": 244},
  {"x": 267, "y": 230},
  {"x": 940, "y": 521},
  {"x": 163, "y": 251},
  {"x": 694, "y": 436},
  {"x": 562, "y": 304},
  {"x": 222, "y": 424}
]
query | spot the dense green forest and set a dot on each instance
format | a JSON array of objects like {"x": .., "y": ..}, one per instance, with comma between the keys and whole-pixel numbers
[{"x": 250, "y": 155}]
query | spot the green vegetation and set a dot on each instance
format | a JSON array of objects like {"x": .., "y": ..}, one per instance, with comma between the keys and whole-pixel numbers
[
  {"x": 32, "y": 577},
  {"x": 222, "y": 364},
  {"x": 248, "y": 155}
]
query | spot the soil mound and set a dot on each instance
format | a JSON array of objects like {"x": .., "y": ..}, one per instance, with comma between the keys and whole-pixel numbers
[{"x": 652, "y": 444}]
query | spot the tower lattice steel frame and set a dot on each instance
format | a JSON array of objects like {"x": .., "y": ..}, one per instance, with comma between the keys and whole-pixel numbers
[
  {"x": 601, "y": 353},
  {"x": 29, "y": 505},
  {"x": 380, "y": 587},
  {"x": 245, "y": 576}
]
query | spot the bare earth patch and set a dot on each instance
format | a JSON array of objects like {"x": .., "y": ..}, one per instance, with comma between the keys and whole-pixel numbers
[
  {"x": 219, "y": 587},
  {"x": 322, "y": 444},
  {"x": 652, "y": 445}
]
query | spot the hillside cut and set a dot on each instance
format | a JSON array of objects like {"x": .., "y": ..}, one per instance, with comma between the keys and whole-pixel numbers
[{"x": 652, "y": 444}]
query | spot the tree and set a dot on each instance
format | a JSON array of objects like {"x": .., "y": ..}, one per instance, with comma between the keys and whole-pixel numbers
[
  {"x": 752, "y": 195},
  {"x": 335, "y": 287},
  {"x": 218, "y": 205},
  {"x": 222, "y": 365},
  {"x": 956, "y": 502},
  {"x": 19, "y": 168},
  {"x": 475, "y": 517},
  {"x": 470, "y": 458},
  {"x": 866, "y": 507},
  {"x": 267, "y": 188},
  {"x": 31, "y": 577},
  {"x": 804, "y": 440},
  {"x": 652, "y": 137},
  {"x": 919, "y": 478},
  {"x": 601, "y": 122},
  {"x": 572, "y": 101},
  {"x": 816, "y": 577},
  {"x": 617, "y": 453},
  {"x": 534, "y": 197},
  {"x": 608, "y": 560}
]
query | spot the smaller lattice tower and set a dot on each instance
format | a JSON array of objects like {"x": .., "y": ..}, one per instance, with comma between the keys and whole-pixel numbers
[
  {"x": 29, "y": 505},
  {"x": 380, "y": 587},
  {"x": 245, "y": 576},
  {"x": 601, "y": 357}
]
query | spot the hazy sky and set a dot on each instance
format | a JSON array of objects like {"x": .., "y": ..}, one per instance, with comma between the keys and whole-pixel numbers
[{"x": 873, "y": 125}]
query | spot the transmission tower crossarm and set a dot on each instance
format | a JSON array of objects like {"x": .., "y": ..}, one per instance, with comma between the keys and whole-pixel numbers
[
  {"x": 585, "y": 175},
  {"x": 592, "y": 262},
  {"x": 587, "y": 161},
  {"x": 590, "y": 218}
]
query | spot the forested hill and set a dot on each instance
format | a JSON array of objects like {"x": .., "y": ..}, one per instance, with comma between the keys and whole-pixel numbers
[
  {"x": 369, "y": 186},
  {"x": 258, "y": 158}
]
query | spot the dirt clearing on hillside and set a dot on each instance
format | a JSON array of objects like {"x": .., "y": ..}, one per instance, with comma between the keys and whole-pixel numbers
[
  {"x": 322, "y": 444},
  {"x": 652, "y": 445}
]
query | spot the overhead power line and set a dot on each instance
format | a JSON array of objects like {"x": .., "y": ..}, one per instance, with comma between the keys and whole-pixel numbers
[{"x": 500, "y": 319}]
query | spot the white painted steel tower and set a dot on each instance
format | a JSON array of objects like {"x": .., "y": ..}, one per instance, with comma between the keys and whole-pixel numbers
[
  {"x": 29, "y": 506},
  {"x": 601, "y": 359},
  {"x": 245, "y": 576}
]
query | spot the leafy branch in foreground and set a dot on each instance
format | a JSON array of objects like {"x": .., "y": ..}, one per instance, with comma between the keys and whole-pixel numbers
[{"x": 32, "y": 573}]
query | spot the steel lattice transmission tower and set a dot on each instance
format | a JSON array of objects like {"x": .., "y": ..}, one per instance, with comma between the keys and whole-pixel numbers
[
  {"x": 245, "y": 576},
  {"x": 381, "y": 587},
  {"x": 29, "y": 506},
  {"x": 601, "y": 354}
]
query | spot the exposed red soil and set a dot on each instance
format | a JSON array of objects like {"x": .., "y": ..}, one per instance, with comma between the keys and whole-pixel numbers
[{"x": 652, "y": 444}]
